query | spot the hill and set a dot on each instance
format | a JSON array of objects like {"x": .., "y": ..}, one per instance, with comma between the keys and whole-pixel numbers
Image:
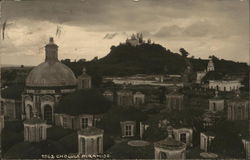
[{"x": 124, "y": 60}]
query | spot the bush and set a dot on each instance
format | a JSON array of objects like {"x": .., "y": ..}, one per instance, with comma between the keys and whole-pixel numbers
[{"x": 154, "y": 134}]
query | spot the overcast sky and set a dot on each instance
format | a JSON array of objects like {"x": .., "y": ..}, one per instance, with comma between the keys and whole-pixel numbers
[{"x": 202, "y": 27}]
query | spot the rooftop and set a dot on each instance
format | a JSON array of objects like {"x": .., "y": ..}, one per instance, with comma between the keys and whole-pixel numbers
[{"x": 90, "y": 131}]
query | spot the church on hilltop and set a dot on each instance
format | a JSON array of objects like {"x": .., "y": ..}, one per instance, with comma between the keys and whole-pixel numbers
[{"x": 136, "y": 40}]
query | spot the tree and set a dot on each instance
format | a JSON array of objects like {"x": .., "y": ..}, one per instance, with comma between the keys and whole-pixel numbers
[
  {"x": 154, "y": 134},
  {"x": 227, "y": 142},
  {"x": 184, "y": 53}
]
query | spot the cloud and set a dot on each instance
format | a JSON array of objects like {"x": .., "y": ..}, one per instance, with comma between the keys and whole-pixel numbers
[{"x": 193, "y": 24}]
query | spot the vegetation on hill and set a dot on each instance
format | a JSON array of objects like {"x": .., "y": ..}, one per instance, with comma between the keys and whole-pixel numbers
[{"x": 124, "y": 60}]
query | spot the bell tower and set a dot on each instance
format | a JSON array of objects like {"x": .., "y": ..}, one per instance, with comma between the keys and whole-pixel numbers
[{"x": 51, "y": 51}]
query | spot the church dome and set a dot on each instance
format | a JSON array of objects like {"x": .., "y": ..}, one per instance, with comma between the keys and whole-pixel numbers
[{"x": 51, "y": 73}]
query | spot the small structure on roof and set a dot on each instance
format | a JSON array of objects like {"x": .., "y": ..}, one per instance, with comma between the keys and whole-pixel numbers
[
  {"x": 184, "y": 135},
  {"x": 35, "y": 130},
  {"x": 238, "y": 108},
  {"x": 206, "y": 139},
  {"x": 170, "y": 148},
  {"x": 84, "y": 80},
  {"x": 139, "y": 98},
  {"x": 216, "y": 103},
  {"x": 174, "y": 100},
  {"x": 90, "y": 141},
  {"x": 124, "y": 97}
]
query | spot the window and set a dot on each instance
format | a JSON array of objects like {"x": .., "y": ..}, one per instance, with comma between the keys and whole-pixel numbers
[
  {"x": 85, "y": 122},
  {"x": 29, "y": 112},
  {"x": 128, "y": 130},
  {"x": 65, "y": 122},
  {"x": 214, "y": 106},
  {"x": 48, "y": 114},
  {"x": 183, "y": 137}
]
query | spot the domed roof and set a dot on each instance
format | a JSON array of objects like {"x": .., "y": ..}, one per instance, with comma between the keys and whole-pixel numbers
[
  {"x": 85, "y": 101},
  {"x": 51, "y": 74}
]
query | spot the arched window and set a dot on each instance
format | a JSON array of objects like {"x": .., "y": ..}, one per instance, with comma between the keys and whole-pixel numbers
[
  {"x": 48, "y": 114},
  {"x": 28, "y": 111}
]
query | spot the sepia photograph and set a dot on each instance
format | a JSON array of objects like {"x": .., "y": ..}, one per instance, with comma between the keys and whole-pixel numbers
[{"x": 124, "y": 79}]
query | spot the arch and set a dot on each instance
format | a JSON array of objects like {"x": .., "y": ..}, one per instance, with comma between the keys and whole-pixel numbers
[
  {"x": 47, "y": 98},
  {"x": 47, "y": 114},
  {"x": 27, "y": 98},
  {"x": 28, "y": 111}
]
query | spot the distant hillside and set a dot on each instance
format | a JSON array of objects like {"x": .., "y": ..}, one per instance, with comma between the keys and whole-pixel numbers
[
  {"x": 123, "y": 60},
  {"x": 146, "y": 58},
  {"x": 126, "y": 60}
]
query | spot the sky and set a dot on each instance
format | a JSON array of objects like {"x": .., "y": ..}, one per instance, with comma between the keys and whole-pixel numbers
[{"x": 88, "y": 28}]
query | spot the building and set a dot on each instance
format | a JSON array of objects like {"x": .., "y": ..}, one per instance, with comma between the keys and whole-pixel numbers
[
  {"x": 206, "y": 139},
  {"x": 184, "y": 135},
  {"x": 35, "y": 130},
  {"x": 124, "y": 98},
  {"x": 224, "y": 85},
  {"x": 46, "y": 84},
  {"x": 201, "y": 74},
  {"x": 238, "y": 108},
  {"x": 84, "y": 80},
  {"x": 174, "y": 101},
  {"x": 138, "y": 98},
  {"x": 216, "y": 103},
  {"x": 135, "y": 40},
  {"x": 169, "y": 148},
  {"x": 90, "y": 141},
  {"x": 81, "y": 109},
  {"x": 210, "y": 65},
  {"x": 153, "y": 80}
]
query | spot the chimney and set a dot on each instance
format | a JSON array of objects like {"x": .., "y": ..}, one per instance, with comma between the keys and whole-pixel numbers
[{"x": 51, "y": 51}]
